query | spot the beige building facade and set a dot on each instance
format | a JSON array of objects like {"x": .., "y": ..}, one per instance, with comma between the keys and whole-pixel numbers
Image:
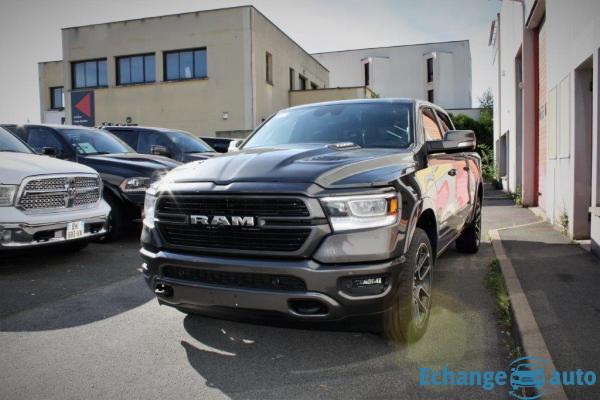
[{"x": 212, "y": 73}]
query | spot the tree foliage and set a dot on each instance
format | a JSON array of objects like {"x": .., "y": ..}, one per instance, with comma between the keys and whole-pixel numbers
[{"x": 484, "y": 131}]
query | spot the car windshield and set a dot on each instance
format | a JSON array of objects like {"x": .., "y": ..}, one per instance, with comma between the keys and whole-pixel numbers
[
  {"x": 188, "y": 142},
  {"x": 369, "y": 125},
  {"x": 88, "y": 141},
  {"x": 8, "y": 142}
]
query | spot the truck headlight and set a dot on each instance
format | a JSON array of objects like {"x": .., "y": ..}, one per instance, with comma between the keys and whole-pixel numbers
[
  {"x": 361, "y": 211},
  {"x": 150, "y": 205},
  {"x": 136, "y": 184},
  {"x": 7, "y": 195}
]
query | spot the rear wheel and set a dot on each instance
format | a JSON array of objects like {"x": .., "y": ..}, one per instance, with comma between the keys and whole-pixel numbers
[
  {"x": 408, "y": 319},
  {"x": 469, "y": 240}
]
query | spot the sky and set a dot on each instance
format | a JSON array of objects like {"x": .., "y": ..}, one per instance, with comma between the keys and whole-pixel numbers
[{"x": 30, "y": 32}]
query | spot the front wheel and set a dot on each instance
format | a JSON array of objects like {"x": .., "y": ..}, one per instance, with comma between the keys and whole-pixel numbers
[
  {"x": 408, "y": 319},
  {"x": 116, "y": 219}
]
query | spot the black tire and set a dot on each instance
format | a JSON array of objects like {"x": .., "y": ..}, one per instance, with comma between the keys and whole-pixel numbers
[
  {"x": 470, "y": 238},
  {"x": 77, "y": 245},
  {"x": 116, "y": 219},
  {"x": 408, "y": 318}
]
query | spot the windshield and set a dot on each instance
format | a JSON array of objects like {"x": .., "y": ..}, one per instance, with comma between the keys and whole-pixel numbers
[
  {"x": 188, "y": 142},
  {"x": 8, "y": 142},
  {"x": 94, "y": 141},
  {"x": 369, "y": 125}
]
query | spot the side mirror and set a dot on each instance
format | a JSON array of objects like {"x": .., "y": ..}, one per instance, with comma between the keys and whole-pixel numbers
[
  {"x": 159, "y": 150},
  {"x": 234, "y": 146},
  {"x": 49, "y": 151},
  {"x": 454, "y": 142}
]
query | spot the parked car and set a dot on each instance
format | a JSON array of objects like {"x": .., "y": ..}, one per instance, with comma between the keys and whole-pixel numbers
[
  {"x": 220, "y": 145},
  {"x": 12, "y": 128},
  {"x": 328, "y": 212},
  {"x": 126, "y": 174},
  {"x": 178, "y": 145},
  {"x": 46, "y": 201}
]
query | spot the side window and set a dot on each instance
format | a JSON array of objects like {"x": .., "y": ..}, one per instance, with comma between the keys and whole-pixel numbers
[
  {"x": 149, "y": 139},
  {"x": 38, "y": 138},
  {"x": 444, "y": 121},
  {"x": 431, "y": 130},
  {"x": 129, "y": 136}
]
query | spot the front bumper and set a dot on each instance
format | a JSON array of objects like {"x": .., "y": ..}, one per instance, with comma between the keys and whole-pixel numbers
[
  {"x": 47, "y": 229},
  {"x": 324, "y": 286}
]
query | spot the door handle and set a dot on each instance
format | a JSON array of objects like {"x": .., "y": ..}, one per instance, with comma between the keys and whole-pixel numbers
[{"x": 452, "y": 172}]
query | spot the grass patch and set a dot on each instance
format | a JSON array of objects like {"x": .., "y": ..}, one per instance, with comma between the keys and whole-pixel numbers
[{"x": 494, "y": 282}]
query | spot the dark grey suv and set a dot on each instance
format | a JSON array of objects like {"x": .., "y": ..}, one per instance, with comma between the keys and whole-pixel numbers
[{"x": 330, "y": 211}]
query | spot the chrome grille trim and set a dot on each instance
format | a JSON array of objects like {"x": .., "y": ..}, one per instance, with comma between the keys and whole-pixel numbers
[{"x": 60, "y": 192}]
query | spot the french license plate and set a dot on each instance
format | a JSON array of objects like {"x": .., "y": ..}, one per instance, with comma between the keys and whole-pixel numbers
[{"x": 74, "y": 230}]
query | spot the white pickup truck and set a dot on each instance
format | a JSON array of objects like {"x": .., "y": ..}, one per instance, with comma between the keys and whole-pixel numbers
[{"x": 46, "y": 201}]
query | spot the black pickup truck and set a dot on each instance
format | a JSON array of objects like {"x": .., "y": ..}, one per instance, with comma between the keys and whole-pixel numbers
[
  {"x": 125, "y": 174},
  {"x": 328, "y": 212}
]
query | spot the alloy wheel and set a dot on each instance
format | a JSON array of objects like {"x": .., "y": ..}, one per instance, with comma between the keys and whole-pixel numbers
[{"x": 422, "y": 285}]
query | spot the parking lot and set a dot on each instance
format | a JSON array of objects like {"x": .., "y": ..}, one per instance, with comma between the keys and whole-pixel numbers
[{"x": 84, "y": 325}]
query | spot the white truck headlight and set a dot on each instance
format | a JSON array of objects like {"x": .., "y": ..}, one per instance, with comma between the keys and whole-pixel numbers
[
  {"x": 362, "y": 211},
  {"x": 150, "y": 205},
  {"x": 136, "y": 184},
  {"x": 7, "y": 195}
]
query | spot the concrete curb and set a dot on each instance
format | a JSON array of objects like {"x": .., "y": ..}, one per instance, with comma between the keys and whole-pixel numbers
[{"x": 529, "y": 333}]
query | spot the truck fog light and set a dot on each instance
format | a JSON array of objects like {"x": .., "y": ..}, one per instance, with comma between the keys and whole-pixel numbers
[
  {"x": 6, "y": 236},
  {"x": 365, "y": 285}
]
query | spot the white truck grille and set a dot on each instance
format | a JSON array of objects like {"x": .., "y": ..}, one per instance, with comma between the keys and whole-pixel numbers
[{"x": 60, "y": 192}]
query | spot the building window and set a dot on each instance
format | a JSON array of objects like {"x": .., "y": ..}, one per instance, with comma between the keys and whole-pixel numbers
[
  {"x": 185, "y": 64},
  {"x": 314, "y": 86},
  {"x": 57, "y": 101},
  {"x": 430, "y": 95},
  {"x": 367, "y": 75},
  {"x": 89, "y": 74},
  {"x": 292, "y": 76},
  {"x": 429, "y": 70},
  {"x": 269, "y": 69},
  {"x": 136, "y": 69},
  {"x": 302, "y": 82}
]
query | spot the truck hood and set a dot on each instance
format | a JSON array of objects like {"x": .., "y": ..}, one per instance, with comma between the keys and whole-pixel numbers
[
  {"x": 187, "y": 157},
  {"x": 14, "y": 167},
  {"x": 311, "y": 163},
  {"x": 129, "y": 164}
]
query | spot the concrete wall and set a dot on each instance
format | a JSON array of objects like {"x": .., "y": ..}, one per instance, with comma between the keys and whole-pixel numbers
[
  {"x": 50, "y": 75},
  {"x": 569, "y": 108},
  {"x": 272, "y": 97},
  {"x": 299, "y": 97},
  {"x": 196, "y": 106},
  {"x": 401, "y": 71}
]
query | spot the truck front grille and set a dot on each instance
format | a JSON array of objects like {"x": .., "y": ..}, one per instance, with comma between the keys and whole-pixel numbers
[
  {"x": 226, "y": 237},
  {"x": 242, "y": 280},
  {"x": 280, "y": 224},
  {"x": 59, "y": 192},
  {"x": 217, "y": 205}
]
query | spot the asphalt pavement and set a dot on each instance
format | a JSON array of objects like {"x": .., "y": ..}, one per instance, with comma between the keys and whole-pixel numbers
[{"x": 84, "y": 325}]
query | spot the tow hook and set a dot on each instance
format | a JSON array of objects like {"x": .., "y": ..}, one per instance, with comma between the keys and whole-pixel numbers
[{"x": 162, "y": 290}]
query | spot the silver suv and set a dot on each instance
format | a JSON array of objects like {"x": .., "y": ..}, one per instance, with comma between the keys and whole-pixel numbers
[{"x": 44, "y": 200}]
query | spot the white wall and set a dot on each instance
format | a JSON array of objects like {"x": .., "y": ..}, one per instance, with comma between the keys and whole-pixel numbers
[
  {"x": 572, "y": 41},
  {"x": 401, "y": 71}
]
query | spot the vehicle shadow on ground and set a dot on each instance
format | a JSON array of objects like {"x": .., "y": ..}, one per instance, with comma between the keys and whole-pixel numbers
[
  {"x": 37, "y": 285},
  {"x": 250, "y": 360}
]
